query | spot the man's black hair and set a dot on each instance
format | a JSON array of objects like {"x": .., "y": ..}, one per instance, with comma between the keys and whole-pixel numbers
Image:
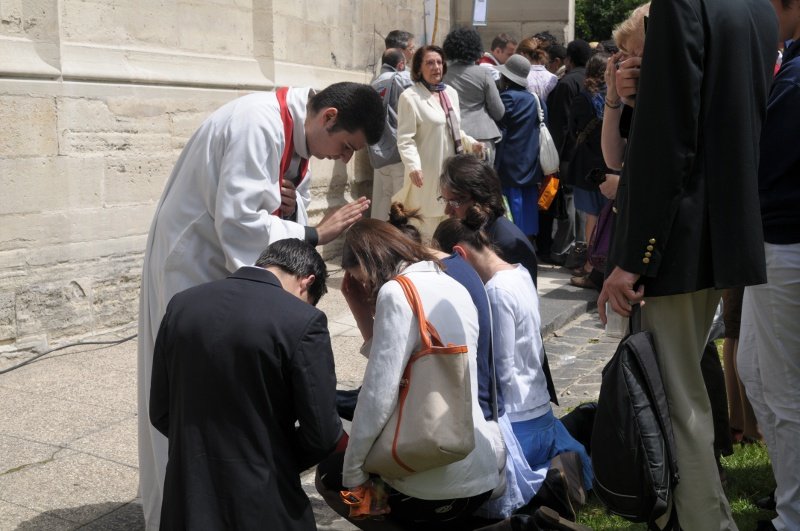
[
  {"x": 299, "y": 259},
  {"x": 579, "y": 52},
  {"x": 463, "y": 44},
  {"x": 557, "y": 51},
  {"x": 546, "y": 38},
  {"x": 397, "y": 39},
  {"x": 359, "y": 107}
]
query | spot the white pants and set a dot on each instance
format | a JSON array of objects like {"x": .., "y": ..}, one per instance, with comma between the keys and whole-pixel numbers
[
  {"x": 769, "y": 366},
  {"x": 386, "y": 182}
]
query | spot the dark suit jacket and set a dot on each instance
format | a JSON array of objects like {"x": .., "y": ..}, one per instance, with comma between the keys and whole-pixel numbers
[
  {"x": 237, "y": 362},
  {"x": 558, "y": 103},
  {"x": 688, "y": 212}
]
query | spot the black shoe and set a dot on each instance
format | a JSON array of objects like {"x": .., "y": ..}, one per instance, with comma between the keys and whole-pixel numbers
[
  {"x": 554, "y": 493},
  {"x": 547, "y": 518},
  {"x": 571, "y": 466},
  {"x": 576, "y": 256},
  {"x": 766, "y": 503},
  {"x": 765, "y": 525}
]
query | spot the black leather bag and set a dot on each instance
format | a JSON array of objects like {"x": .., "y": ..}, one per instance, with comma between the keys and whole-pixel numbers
[{"x": 633, "y": 449}]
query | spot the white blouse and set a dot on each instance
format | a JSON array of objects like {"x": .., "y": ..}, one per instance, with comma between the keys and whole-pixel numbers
[{"x": 517, "y": 344}]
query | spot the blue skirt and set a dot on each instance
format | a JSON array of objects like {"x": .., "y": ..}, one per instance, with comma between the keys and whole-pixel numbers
[
  {"x": 545, "y": 437},
  {"x": 524, "y": 206},
  {"x": 589, "y": 201}
]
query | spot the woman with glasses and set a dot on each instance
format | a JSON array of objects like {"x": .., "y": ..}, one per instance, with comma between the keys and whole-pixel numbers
[
  {"x": 466, "y": 181},
  {"x": 428, "y": 131}
]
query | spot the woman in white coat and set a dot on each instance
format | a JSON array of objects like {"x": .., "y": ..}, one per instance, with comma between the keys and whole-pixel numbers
[
  {"x": 374, "y": 253},
  {"x": 428, "y": 132}
]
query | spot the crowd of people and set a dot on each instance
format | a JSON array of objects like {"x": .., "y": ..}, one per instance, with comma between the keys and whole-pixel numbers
[{"x": 666, "y": 198}]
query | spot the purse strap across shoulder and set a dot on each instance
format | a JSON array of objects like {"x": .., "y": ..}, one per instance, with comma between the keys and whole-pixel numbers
[{"x": 428, "y": 334}]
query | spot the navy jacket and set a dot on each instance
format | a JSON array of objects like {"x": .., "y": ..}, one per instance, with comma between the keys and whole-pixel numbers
[
  {"x": 517, "y": 156},
  {"x": 779, "y": 169},
  {"x": 460, "y": 270}
]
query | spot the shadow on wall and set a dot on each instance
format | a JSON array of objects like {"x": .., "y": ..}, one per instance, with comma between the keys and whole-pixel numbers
[{"x": 93, "y": 517}]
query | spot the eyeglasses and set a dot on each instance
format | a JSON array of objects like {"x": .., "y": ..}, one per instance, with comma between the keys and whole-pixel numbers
[{"x": 452, "y": 203}]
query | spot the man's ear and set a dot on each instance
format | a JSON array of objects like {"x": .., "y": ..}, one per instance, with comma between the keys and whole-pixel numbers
[
  {"x": 329, "y": 115},
  {"x": 306, "y": 283}
]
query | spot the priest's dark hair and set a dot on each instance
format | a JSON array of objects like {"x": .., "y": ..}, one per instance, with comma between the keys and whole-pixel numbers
[
  {"x": 299, "y": 259},
  {"x": 359, "y": 107}
]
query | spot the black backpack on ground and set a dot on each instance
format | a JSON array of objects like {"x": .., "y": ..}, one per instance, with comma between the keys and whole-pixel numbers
[{"x": 633, "y": 449}]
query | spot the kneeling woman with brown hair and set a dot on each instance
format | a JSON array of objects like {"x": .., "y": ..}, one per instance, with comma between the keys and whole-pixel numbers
[
  {"x": 516, "y": 342},
  {"x": 374, "y": 254}
]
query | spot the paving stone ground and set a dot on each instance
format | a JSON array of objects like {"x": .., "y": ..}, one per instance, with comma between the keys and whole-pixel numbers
[{"x": 68, "y": 457}]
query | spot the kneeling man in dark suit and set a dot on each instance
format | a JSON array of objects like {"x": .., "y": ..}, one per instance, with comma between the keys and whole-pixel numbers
[{"x": 244, "y": 386}]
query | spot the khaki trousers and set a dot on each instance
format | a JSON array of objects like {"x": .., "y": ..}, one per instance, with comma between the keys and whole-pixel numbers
[
  {"x": 680, "y": 326},
  {"x": 386, "y": 182}
]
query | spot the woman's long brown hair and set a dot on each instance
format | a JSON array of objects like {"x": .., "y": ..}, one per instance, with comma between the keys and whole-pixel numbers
[{"x": 379, "y": 249}]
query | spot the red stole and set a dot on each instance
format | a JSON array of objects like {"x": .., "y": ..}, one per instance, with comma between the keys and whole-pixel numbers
[{"x": 288, "y": 150}]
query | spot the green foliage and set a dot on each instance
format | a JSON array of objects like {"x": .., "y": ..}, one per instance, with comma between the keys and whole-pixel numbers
[
  {"x": 749, "y": 477},
  {"x": 594, "y": 19}
]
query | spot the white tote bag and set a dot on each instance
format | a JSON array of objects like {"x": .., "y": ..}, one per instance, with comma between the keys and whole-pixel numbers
[{"x": 548, "y": 154}]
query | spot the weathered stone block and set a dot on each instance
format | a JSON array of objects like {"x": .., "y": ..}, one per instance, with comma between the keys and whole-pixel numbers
[
  {"x": 50, "y": 236},
  {"x": 60, "y": 308},
  {"x": 202, "y": 29},
  {"x": 8, "y": 328},
  {"x": 29, "y": 126},
  {"x": 51, "y": 183},
  {"x": 136, "y": 179},
  {"x": 115, "y": 296}
]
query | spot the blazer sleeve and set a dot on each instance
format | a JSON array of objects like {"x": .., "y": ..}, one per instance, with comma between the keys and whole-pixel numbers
[
  {"x": 407, "y": 119},
  {"x": 313, "y": 378},
  {"x": 494, "y": 105},
  {"x": 663, "y": 139},
  {"x": 159, "y": 379}
]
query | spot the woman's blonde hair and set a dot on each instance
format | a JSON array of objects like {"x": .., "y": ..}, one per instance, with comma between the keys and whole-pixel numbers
[{"x": 633, "y": 25}]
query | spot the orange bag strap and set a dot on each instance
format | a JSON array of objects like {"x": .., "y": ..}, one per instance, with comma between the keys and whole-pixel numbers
[{"x": 427, "y": 332}]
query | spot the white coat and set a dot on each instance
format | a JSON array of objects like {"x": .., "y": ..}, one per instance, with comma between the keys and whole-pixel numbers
[
  {"x": 449, "y": 307},
  {"x": 425, "y": 142},
  {"x": 214, "y": 216}
]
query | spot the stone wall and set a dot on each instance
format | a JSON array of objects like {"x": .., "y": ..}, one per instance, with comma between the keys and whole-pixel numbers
[
  {"x": 98, "y": 97},
  {"x": 520, "y": 19}
]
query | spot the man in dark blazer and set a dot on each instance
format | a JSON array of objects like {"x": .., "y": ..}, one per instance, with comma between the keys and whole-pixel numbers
[
  {"x": 688, "y": 220},
  {"x": 244, "y": 389}
]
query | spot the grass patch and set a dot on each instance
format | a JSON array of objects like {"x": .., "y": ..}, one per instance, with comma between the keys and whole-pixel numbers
[{"x": 749, "y": 478}]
